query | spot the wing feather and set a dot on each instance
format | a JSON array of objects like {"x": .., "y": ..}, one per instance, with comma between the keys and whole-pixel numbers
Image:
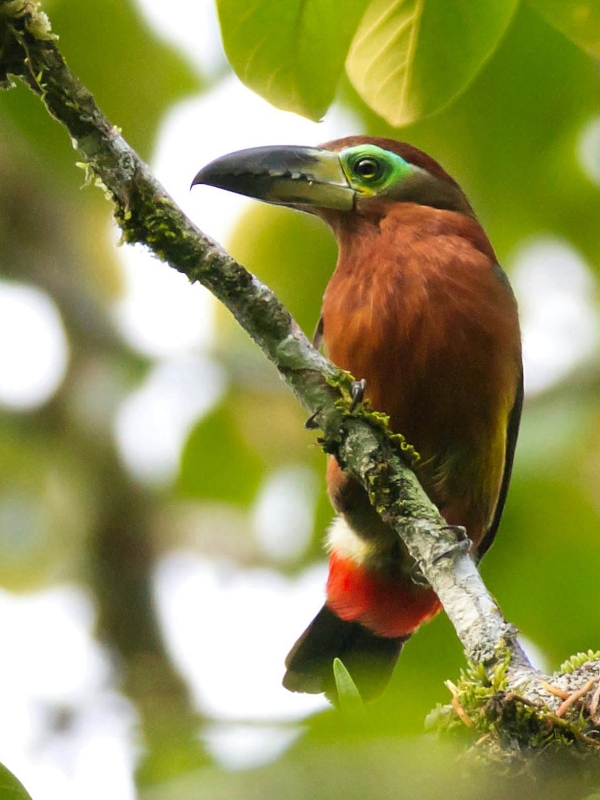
[{"x": 511, "y": 442}]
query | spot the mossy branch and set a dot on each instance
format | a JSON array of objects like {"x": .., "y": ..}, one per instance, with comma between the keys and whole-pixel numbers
[{"x": 362, "y": 442}]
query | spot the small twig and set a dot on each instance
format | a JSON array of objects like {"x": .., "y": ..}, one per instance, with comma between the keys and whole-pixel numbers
[
  {"x": 461, "y": 712},
  {"x": 457, "y": 706},
  {"x": 554, "y": 690},
  {"x": 510, "y": 696},
  {"x": 594, "y": 704},
  {"x": 567, "y": 726},
  {"x": 574, "y": 697},
  {"x": 479, "y": 742}
]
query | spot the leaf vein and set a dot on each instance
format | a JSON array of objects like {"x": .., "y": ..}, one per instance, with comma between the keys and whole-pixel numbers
[
  {"x": 252, "y": 56},
  {"x": 410, "y": 55},
  {"x": 389, "y": 45},
  {"x": 378, "y": 22}
]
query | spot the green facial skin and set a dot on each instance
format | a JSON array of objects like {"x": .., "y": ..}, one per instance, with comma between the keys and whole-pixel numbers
[{"x": 371, "y": 170}]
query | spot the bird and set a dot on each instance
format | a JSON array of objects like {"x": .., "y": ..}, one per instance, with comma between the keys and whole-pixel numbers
[{"x": 419, "y": 308}]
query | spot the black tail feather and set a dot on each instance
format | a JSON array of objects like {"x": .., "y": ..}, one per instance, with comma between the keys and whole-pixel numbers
[{"x": 369, "y": 658}]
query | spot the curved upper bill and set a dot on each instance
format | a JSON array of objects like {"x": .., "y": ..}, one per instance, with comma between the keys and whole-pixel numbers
[{"x": 291, "y": 176}]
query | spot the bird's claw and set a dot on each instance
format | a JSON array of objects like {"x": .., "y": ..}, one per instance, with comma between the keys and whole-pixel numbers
[
  {"x": 357, "y": 390},
  {"x": 417, "y": 576},
  {"x": 463, "y": 545},
  {"x": 460, "y": 532},
  {"x": 311, "y": 423}
]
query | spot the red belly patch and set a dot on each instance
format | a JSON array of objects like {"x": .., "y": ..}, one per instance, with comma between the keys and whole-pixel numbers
[{"x": 388, "y": 606}]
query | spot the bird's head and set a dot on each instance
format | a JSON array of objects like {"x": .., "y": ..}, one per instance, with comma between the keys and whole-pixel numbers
[{"x": 358, "y": 175}]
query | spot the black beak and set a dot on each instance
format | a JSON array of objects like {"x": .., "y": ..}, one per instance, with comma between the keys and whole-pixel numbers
[{"x": 303, "y": 177}]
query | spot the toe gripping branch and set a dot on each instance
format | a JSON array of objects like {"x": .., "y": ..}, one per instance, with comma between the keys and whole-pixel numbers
[
  {"x": 357, "y": 392},
  {"x": 311, "y": 423},
  {"x": 461, "y": 546}
]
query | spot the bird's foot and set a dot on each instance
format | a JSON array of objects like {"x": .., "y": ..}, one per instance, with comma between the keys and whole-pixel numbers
[
  {"x": 459, "y": 531},
  {"x": 462, "y": 546},
  {"x": 357, "y": 391}
]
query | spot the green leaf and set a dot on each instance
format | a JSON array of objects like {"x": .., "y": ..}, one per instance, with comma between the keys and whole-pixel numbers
[
  {"x": 292, "y": 52},
  {"x": 578, "y": 20},
  {"x": 348, "y": 695},
  {"x": 410, "y": 58},
  {"x": 10, "y": 787}
]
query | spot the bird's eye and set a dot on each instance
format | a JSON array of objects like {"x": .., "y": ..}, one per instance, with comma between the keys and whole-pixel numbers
[{"x": 367, "y": 168}]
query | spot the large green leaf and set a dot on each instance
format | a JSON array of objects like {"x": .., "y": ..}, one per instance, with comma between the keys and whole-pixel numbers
[
  {"x": 10, "y": 787},
  {"x": 292, "y": 52},
  {"x": 410, "y": 58},
  {"x": 579, "y": 20}
]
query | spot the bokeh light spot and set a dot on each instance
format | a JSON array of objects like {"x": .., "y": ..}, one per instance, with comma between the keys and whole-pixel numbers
[
  {"x": 154, "y": 421},
  {"x": 556, "y": 292},
  {"x": 161, "y": 313},
  {"x": 192, "y": 26},
  {"x": 34, "y": 351},
  {"x": 284, "y": 512},
  {"x": 245, "y": 746},
  {"x": 229, "y": 630},
  {"x": 588, "y": 150}
]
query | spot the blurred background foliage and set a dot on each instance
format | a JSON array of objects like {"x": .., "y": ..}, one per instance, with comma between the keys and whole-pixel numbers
[{"x": 522, "y": 137}]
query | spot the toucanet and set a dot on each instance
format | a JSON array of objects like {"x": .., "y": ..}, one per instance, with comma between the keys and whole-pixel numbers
[{"x": 418, "y": 307}]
